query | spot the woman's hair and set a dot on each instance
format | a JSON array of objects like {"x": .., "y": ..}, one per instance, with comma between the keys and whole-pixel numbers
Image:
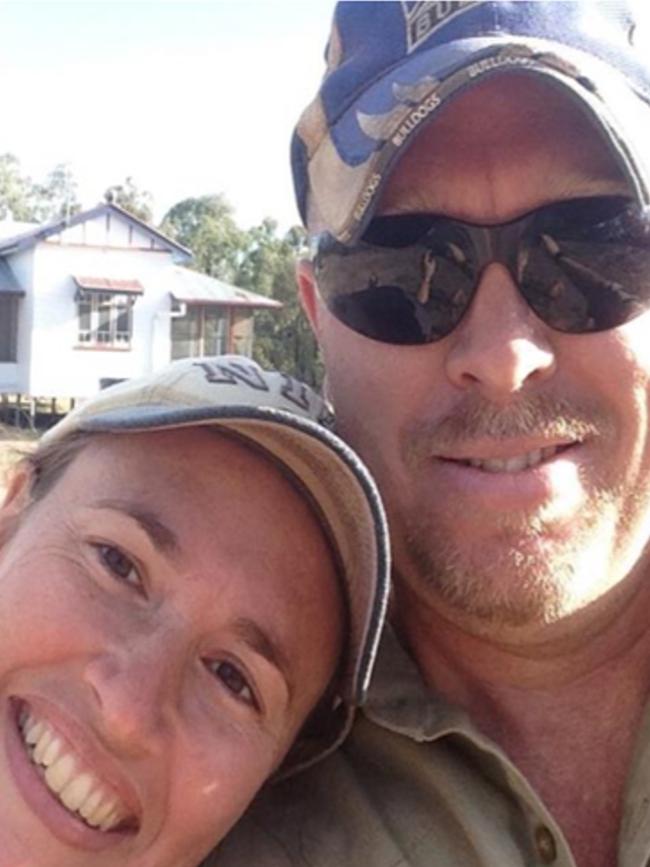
[{"x": 47, "y": 463}]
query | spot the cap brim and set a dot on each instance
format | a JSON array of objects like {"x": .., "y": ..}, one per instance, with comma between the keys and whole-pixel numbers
[{"x": 394, "y": 108}]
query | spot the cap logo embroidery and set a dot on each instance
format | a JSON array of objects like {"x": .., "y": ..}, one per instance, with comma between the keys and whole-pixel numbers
[
  {"x": 304, "y": 398},
  {"x": 416, "y": 117},
  {"x": 232, "y": 373},
  {"x": 424, "y": 18},
  {"x": 295, "y": 392},
  {"x": 512, "y": 56},
  {"x": 419, "y": 95},
  {"x": 366, "y": 197}
]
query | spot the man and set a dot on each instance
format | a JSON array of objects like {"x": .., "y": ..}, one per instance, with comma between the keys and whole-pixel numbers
[{"x": 475, "y": 179}]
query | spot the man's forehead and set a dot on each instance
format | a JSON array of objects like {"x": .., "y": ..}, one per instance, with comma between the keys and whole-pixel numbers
[
  {"x": 508, "y": 133},
  {"x": 509, "y": 98}
]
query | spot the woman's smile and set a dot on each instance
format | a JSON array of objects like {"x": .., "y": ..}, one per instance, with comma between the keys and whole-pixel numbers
[
  {"x": 51, "y": 778},
  {"x": 77, "y": 786}
]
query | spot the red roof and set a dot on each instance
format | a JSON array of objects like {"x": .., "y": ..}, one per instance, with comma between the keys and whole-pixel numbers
[{"x": 109, "y": 284}]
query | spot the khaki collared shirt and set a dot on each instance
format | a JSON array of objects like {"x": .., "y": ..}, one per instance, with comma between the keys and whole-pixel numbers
[{"x": 416, "y": 785}]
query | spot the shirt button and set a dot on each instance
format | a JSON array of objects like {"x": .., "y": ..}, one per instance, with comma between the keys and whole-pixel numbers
[{"x": 545, "y": 844}]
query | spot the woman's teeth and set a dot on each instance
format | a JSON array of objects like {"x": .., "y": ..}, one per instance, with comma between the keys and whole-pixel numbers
[
  {"x": 515, "y": 464},
  {"x": 78, "y": 789}
]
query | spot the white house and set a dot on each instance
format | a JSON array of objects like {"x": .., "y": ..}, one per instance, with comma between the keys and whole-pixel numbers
[{"x": 103, "y": 296}]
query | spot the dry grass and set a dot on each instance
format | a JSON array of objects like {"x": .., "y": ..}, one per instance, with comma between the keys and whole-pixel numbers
[
  {"x": 13, "y": 443},
  {"x": 8, "y": 433}
]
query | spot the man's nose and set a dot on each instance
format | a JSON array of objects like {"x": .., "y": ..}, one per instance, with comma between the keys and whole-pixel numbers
[
  {"x": 500, "y": 346},
  {"x": 135, "y": 690}
]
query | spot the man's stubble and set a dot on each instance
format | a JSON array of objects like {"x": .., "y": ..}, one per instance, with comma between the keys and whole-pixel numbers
[{"x": 528, "y": 573}]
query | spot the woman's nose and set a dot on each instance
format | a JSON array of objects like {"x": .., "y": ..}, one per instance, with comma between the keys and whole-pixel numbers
[{"x": 134, "y": 690}]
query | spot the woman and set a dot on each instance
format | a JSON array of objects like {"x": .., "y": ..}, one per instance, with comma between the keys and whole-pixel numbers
[{"x": 189, "y": 565}]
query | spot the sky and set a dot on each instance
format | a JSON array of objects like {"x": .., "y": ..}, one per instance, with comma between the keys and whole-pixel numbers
[{"x": 188, "y": 98}]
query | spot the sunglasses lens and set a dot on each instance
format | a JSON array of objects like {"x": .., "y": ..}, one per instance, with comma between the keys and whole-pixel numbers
[
  {"x": 588, "y": 270},
  {"x": 582, "y": 265},
  {"x": 405, "y": 295}
]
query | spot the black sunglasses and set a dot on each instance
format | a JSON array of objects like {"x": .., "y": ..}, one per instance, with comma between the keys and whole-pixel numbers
[{"x": 582, "y": 265}]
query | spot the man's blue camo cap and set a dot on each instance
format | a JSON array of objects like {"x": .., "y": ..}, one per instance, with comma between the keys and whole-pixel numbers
[{"x": 392, "y": 66}]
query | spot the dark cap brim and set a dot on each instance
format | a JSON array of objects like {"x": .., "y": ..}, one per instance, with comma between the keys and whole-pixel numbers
[{"x": 345, "y": 187}]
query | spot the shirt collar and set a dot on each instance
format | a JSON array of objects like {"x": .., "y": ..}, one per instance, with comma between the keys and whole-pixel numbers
[{"x": 400, "y": 700}]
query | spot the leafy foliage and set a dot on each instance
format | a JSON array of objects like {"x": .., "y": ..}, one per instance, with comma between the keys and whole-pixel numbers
[
  {"x": 207, "y": 227},
  {"x": 23, "y": 200},
  {"x": 57, "y": 197},
  {"x": 16, "y": 191},
  {"x": 283, "y": 339},
  {"x": 130, "y": 197}
]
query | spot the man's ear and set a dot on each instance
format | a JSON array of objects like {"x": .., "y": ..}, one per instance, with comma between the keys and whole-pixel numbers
[{"x": 308, "y": 293}]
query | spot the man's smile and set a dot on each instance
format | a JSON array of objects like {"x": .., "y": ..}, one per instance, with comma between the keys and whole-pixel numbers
[
  {"x": 515, "y": 460},
  {"x": 502, "y": 477}
]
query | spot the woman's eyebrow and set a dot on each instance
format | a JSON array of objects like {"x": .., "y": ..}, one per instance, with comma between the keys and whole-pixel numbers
[
  {"x": 161, "y": 536},
  {"x": 263, "y": 644}
]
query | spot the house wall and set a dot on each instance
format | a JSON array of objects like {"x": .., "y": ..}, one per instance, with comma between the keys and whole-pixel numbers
[
  {"x": 107, "y": 230},
  {"x": 60, "y": 366},
  {"x": 14, "y": 378},
  {"x": 9, "y": 378}
]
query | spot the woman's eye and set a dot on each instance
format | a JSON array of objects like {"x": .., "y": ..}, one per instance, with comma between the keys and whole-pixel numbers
[
  {"x": 234, "y": 681},
  {"x": 119, "y": 565}
]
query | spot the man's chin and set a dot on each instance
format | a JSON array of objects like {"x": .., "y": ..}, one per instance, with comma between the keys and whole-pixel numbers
[
  {"x": 518, "y": 570},
  {"x": 526, "y": 580},
  {"x": 503, "y": 596}
]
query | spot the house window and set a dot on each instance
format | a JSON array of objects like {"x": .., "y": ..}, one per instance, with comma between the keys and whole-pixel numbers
[
  {"x": 105, "y": 319},
  {"x": 8, "y": 327},
  {"x": 202, "y": 331},
  {"x": 242, "y": 332}
]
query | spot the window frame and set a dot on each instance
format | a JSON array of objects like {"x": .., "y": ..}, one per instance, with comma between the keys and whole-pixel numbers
[
  {"x": 102, "y": 311},
  {"x": 197, "y": 343},
  {"x": 11, "y": 300}
]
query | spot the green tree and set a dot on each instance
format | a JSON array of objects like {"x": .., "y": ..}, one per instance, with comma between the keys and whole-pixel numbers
[
  {"x": 207, "y": 226},
  {"x": 283, "y": 338},
  {"x": 17, "y": 191},
  {"x": 57, "y": 197},
  {"x": 130, "y": 197}
]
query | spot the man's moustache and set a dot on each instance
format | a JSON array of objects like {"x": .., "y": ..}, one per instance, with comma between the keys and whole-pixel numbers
[{"x": 474, "y": 419}]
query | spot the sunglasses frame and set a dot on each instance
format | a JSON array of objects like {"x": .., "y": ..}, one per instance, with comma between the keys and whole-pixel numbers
[{"x": 502, "y": 243}]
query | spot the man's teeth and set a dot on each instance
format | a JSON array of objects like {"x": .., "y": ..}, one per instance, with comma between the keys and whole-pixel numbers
[
  {"x": 79, "y": 790},
  {"x": 515, "y": 464}
]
